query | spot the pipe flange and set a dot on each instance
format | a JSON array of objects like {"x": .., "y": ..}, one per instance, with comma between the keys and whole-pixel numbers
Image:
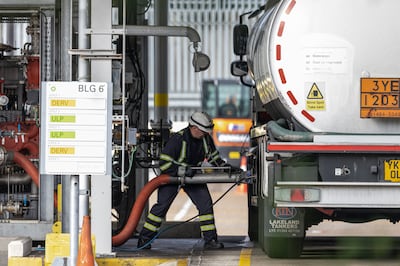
[{"x": 3, "y": 155}]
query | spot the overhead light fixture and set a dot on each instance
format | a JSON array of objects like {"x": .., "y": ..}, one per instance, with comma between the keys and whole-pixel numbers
[{"x": 200, "y": 61}]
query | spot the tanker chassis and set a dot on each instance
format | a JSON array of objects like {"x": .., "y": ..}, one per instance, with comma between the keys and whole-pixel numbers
[
  {"x": 299, "y": 184},
  {"x": 327, "y": 75}
]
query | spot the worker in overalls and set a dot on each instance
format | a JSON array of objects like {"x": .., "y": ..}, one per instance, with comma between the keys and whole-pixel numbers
[{"x": 188, "y": 147}]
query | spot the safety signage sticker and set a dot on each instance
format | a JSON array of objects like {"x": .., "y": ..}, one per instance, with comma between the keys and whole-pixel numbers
[
  {"x": 74, "y": 128},
  {"x": 315, "y": 100}
]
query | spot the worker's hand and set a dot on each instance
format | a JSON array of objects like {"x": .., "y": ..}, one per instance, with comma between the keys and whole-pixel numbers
[
  {"x": 189, "y": 171},
  {"x": 236, "y": 170}
]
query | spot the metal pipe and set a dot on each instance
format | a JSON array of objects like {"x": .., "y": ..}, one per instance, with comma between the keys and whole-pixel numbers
[
  {"x": 65, "y": 214},
  {"x": 66, "y": 75},
  {"x": 84, "y": 194},
  {"x": 208, "y": 178},
  {"x": 123, "y": 186},
  {"x": 14, "y": 179},
  {"x": 66, "y": 30},
  {"x": 161, "y": 67},
  {"x": 83, "y": 39},
  {"x": 32, "y": 173},
  {"x": 11, "y": 207},
  {"x": 83, "y": 75},
  {"x": 167, "y": 31},
  {"x": 34, "y": 199},
  {"x": 74, "y": 210},
  {"x": 26, "y": 164},
  {"x": 14, "y": 11}
]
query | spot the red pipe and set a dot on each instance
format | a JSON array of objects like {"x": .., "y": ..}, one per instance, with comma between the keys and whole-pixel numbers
[
  {"x": 28, "y": 166},
  {"x": 33, "y": 131},
  {"x": 32, "y": 148},
  {"x": 137, "y": 209},
  {"x": 30, "y": 169}
]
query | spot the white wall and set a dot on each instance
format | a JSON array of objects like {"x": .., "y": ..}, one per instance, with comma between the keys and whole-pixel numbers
[{"x": 214, "y": 20}]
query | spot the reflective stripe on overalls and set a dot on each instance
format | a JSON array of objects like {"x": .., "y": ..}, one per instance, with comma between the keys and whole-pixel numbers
[
  {"x": 198, "y": 196},
  {"x": 169, "y": 160},
  {"x": 153, "y": 223},
  {"x": 211, "y": 157},
  {"x": 207, "y": 222}
]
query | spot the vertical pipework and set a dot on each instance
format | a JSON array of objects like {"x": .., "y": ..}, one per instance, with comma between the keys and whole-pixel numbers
[
  {"x": 83, "y": 75},
  {"x": 83, "y": 39},
  {"x": 66, "y": 44},
  {"x": 74, "y": 195},
  {"x": 161, "y": 67},
  {"x": 101, "y": 70},
  {"x": 66, "y": 29},
  {"x": 123, "y": 187}
]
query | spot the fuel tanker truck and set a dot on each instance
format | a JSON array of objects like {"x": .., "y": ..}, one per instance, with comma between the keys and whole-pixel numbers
[{"x": 327, "y": 75}]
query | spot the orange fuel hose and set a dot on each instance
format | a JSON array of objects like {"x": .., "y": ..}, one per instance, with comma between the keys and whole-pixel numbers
[{"x": 137, "y": 209}]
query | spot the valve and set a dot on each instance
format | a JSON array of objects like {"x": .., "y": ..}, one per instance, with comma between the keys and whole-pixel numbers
[{"x": 13, "y": 207}]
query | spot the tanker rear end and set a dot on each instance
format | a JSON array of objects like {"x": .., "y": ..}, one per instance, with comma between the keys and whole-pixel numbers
[{"x": 327, "y": 75}]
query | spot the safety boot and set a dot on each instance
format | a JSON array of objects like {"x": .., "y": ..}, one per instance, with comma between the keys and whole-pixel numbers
[
  {"x": 213, "y": 244},
  {"x": 143, "y": 243}
]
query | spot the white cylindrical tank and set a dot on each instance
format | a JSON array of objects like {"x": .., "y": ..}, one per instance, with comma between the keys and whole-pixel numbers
[
  {"x": 14, "y": 34},
  {"x": 307, "y": 58}
]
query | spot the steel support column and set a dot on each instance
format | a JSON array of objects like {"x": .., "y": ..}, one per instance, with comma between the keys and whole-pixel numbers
[
  {"x": 101, "y": 70},
  {"x": 161, "y": 68}
]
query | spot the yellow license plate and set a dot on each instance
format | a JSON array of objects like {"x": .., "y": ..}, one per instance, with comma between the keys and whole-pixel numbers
[{"x": 392, "y": 170}]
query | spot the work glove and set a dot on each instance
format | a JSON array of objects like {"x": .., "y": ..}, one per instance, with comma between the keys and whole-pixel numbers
[
  {"x": 236, "y": 170},
  {"x": 189, "y": 172}
]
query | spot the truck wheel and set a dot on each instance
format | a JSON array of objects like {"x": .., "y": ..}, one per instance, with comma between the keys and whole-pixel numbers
[{"x": 281, "y": 247}]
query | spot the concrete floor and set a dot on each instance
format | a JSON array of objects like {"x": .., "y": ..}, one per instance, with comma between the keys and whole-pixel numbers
[
  {"x": 230, "y": 212},
  {"x": 3, "y": 257},
  {"x": 231, "y": 222}
]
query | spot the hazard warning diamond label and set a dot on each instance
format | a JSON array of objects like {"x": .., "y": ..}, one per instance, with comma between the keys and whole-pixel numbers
[{"x": 315, "y": 99}]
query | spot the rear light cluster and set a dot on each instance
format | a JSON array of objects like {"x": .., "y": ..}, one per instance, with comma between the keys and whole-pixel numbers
[{"x": 297, "y": 194}]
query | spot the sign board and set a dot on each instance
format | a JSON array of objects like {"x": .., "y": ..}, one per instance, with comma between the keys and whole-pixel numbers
[
  {"x": 379, "y": 97},
  {"x": 74, "y": 128}
]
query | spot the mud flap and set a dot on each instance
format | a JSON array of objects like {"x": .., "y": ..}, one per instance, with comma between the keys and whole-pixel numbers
[
  {"x": 285, "y": 222},
  {"x": 284, "y": 232}
]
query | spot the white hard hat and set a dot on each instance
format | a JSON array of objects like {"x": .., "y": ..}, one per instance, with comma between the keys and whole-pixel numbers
[{"x": 202, "y": 120}]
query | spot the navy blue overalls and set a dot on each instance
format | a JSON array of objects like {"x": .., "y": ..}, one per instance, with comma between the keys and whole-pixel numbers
[{"x": 184, "y": 150}]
